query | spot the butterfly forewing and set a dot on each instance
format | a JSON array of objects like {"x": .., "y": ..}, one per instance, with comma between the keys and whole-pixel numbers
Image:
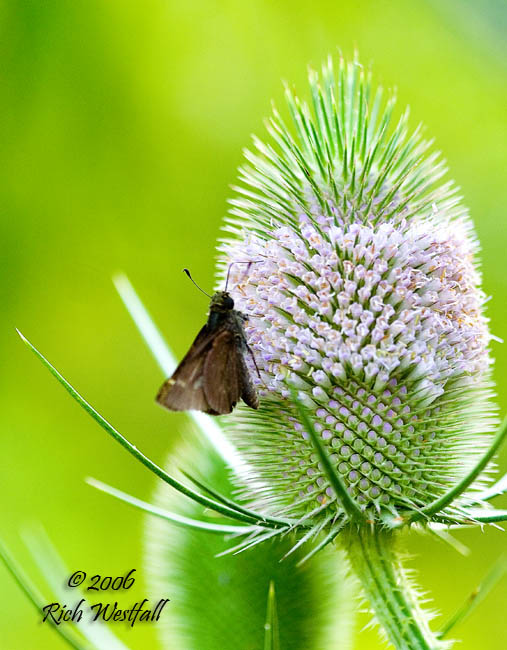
[{"x": 185, "y": 389}]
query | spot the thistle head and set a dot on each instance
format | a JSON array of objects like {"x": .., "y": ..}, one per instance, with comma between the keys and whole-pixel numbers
[{"x": 366, "y": 301}]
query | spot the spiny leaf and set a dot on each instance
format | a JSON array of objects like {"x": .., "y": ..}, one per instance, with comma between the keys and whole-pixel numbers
[
  {"x": 52, "y": 568},
  {"x": 232, "y": 504},
  {"x": 476, "y": 597},
  {"x": 173, "y": 517},
  {"x": 442, "y": 502},
  {"x": 271, "y": 637},
  {"x": 344, "y": 498},
  {"x": 37, "y": 600},
  {"x": 132, "y": 449},
  {"x": 500, "y": 487}
]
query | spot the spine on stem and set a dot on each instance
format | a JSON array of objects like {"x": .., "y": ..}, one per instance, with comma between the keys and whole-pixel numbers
[{"x": 376, "y": 562}]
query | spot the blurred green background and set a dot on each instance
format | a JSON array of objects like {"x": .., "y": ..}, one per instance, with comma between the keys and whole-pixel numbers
[{"x": 122, "y": 124}]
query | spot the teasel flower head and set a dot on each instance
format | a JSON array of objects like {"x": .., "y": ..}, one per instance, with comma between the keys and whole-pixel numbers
[
  {"x": 357, "y": 267},
  {"x": 365, "y": 306}
]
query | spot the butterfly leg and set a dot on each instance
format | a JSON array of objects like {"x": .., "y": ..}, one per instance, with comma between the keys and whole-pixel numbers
[{"x": 254, "y": 361}]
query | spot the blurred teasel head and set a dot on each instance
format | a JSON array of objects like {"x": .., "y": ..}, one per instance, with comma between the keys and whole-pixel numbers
[{"x": 364, "y": 307}]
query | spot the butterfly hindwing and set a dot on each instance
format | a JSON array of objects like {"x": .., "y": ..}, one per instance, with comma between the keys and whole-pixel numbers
[
  {"x": 222, "y": 379},
  {"x": 248, "y": 391}
]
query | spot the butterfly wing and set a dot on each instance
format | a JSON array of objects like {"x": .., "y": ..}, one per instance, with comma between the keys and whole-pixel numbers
[
  {"x": 248, "y": 390},
  {"x": 226, "y": 377},
  {"x": 212, "y": 376},
  {"x": 222, "y": 386},
  {"x": 184, "y": 390}
]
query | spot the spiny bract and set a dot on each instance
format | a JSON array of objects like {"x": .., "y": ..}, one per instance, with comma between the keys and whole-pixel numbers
[{"x": 364, "y": 295}]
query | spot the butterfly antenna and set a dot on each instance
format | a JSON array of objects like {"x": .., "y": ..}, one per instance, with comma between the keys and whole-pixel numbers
[{"x": 194, "y": 282}]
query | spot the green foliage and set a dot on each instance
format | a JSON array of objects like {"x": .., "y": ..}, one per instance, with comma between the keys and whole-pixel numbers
[{"x": 219, "y": 603}]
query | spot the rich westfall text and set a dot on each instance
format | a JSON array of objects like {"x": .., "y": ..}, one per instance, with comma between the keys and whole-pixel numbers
[{"x": 57, "y": 613}]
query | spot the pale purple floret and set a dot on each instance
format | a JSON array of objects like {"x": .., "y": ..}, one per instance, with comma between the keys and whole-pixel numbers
[{"x": 362, "y": 301}]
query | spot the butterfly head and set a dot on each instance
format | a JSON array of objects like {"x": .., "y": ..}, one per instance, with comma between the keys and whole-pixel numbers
[{"x": 221, "y": 301}]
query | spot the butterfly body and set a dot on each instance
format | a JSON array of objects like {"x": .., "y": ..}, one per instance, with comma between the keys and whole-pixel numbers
[{"x": 213, "y": 375}]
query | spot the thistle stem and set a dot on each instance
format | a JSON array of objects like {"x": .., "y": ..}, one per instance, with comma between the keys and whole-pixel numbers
[{"x": 376, "y": 563}]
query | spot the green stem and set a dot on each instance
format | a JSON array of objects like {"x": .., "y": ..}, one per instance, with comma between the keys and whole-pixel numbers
[{"x": 376, "y": 563}]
